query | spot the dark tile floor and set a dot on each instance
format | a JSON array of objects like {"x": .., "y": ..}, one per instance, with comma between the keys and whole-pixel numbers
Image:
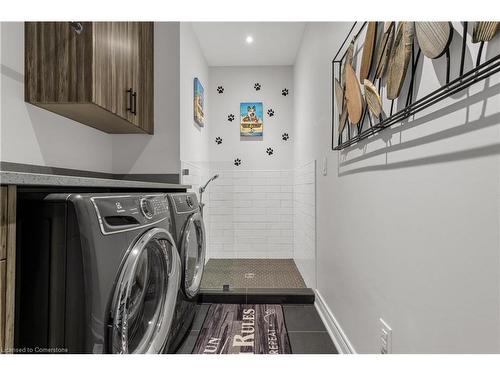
[
  {"x": 190, "y": 340},
  {"x": 306, "y": 331}
]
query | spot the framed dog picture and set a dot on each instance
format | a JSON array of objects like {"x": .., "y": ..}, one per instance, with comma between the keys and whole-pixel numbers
[
  {"x": 251, "y": 116},
  {"x": 199, "y": 99}
]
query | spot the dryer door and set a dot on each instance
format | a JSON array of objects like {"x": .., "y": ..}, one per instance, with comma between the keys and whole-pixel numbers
[
  {"x": 145, "y": 296},
  {"x": 193, "y": 247}
]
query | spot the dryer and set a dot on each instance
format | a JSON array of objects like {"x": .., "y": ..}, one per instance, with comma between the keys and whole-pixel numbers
[
  {"x": 188, "y": 230},
  {"x": 98, "y": 273}
]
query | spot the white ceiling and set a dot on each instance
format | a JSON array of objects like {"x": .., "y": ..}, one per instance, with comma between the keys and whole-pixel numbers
[{"x": 274, "y": 43}]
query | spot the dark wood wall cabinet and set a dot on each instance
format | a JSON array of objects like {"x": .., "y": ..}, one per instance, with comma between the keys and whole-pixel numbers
[{"x": 101, "y": 76}]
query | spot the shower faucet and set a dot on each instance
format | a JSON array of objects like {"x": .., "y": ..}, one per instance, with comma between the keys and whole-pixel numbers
[{"x": 202, "y": 190}]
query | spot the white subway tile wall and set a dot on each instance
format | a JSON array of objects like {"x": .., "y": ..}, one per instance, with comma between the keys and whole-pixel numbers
[
  {"x": 304, "y": 222},
  {"x": 260, "y": 214},
  {"x": 251, "y": 214}
]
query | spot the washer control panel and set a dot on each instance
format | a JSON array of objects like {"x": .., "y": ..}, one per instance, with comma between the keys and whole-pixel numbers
[
  {"x": 122, "y": 212},
  {"x": 185, "y": 202},
  {"x": 151, "y": 206}
]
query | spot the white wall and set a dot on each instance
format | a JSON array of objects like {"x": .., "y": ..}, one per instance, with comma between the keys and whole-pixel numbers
[
  {"x": 251, "y": 214},
  {"x": 238, "y": 84},
  {"x": 193, "y": 138},
  {"x": 407, "y": 223},
  {"x": 32, "y": 135},
  {"x": 158, "y": 153}
]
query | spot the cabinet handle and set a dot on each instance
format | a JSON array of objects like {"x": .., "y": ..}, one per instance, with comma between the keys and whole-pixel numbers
[
  {"x": 130, "y": 104},
  {"x": 134, "y": 95}
]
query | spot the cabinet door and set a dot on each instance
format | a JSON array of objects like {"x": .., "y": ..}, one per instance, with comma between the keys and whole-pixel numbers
[
  {"x": 112, "y": 50},
  {"x": 8, "y": 197},
  {"x": 142, "y": 74},
  {"x": 3, "y": 268},
  {"x": 133, "y": 68},
  {"x": 146, "y": 83},
  {"x": 57, "y": 63}
]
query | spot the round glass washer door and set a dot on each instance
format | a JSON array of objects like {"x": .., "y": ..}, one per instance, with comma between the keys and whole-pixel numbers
[
  {"x": 144, "y": 299},
  {"x": 193, "y": 248}
]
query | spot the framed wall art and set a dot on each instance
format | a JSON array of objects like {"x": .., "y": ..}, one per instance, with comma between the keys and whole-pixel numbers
[
  {"x": 199, "y": 101},
  {"x": 251, "y": 119}
]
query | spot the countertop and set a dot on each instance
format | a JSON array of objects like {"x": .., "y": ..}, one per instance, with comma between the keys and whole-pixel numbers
[{"x": 35, "y": 179}]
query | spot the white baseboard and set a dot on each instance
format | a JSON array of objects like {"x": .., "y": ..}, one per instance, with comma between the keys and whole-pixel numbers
[{"x": 338, "y": 336}]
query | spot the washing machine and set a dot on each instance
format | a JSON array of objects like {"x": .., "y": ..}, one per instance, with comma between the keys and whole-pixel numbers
[
  {"x": 97, "y": 273},
  {"x": 188, "y": 230}
]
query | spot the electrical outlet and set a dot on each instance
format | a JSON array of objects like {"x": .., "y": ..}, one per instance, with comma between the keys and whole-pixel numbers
[
  {"x": 325, "y": 166},
  {"x": 385, "y": 338}
]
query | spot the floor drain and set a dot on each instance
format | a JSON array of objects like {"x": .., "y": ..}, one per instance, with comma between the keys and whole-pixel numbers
[{"x": 249, "y": 275}]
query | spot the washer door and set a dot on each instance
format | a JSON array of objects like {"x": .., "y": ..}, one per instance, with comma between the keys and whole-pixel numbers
[
  {"x": 144, "y": 300},
  {"x": 193, "y": 247}
]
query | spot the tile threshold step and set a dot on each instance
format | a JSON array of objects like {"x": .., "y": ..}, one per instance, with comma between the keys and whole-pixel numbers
[{"x": 258, "y": 295}]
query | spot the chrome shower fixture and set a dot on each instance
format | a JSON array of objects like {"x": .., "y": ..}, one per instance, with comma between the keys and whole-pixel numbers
[{"x": 202, "y": 190}]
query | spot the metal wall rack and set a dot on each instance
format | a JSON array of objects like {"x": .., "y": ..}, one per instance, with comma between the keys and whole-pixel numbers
[{"x": 368, "y": 127}]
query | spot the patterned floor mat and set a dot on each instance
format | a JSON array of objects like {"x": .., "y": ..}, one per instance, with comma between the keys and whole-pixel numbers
[{"x": 235, "y": 329}]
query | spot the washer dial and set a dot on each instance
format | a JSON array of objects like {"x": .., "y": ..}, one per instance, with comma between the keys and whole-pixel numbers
[{"x": 147, "y": 208}]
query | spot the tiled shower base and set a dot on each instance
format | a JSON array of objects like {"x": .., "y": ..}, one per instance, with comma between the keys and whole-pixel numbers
[{"x": 252, "y": 273}]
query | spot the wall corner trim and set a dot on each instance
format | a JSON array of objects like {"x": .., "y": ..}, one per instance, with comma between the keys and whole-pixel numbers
[{"x": 338, "y": 336}]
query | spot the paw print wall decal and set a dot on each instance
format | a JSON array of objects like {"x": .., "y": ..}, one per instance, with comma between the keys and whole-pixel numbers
[
  {"x": 284, "y": 92},
  {"x": 220, "y": 89},
  {"x": 257, "y": 86},
  {"x": 270, "y": 112},
  {"x": 237, "y": 162},
  {"x": 285, "y": 136},
  {"x": 218, "y": 140},
  {"x": 269, "y": 151},
  {"x": 230, "y": 117}
]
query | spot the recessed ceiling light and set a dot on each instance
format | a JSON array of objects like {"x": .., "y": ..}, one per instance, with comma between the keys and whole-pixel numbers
[{"x": 249, "y": 39}]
